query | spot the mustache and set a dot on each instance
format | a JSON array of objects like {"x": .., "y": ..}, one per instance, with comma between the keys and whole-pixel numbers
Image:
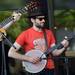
[{"x": 39, "y": 26}]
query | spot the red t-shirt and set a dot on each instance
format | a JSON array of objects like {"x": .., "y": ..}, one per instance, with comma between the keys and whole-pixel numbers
[{"x": 29, "y": 38}]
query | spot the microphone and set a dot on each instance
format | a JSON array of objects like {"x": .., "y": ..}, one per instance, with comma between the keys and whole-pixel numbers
[{"x": 2, "y": 32}]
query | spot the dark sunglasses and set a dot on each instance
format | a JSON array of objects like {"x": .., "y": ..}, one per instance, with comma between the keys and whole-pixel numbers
[{"x": 41, "y": 18}]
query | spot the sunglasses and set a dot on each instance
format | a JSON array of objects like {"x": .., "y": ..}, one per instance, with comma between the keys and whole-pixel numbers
[{"x": 41, "y": 18}]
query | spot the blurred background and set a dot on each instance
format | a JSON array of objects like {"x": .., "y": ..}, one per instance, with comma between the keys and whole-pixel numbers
[{"x": 61, "y": 19}]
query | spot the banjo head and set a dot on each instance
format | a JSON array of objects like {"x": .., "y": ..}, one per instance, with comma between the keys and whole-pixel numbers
[{"x": 34, "y": 68}]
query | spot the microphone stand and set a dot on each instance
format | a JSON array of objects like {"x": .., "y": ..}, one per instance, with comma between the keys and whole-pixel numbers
[
  {"x": 5, "y": 25},
  {"x": 3, "y": 68}
]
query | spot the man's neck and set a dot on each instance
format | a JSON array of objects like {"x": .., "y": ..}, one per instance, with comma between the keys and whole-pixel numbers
[{"x": 37, "y": 29}]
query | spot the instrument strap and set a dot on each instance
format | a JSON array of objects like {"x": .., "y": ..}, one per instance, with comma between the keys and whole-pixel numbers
[
  {"x": 45, "y": 37},
  {"x": 46, "y": 43}
]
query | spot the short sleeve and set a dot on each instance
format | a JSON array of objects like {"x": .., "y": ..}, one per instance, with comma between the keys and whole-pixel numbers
[
  {"x": 52, "y": 39},
  {"x": 21, "y": 39}
]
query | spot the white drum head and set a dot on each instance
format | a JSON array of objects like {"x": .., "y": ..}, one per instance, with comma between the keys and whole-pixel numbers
[{"x": 35, "y": 68}]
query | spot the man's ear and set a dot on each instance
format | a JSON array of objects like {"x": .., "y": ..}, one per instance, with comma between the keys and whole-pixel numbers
[{"x": 32, "y": 20}]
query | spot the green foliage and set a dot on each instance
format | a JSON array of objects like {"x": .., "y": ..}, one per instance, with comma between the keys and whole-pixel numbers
[
  {"x": 66, "y": 18},
  {"x": 4, "y": 15},
  {"x": 17, "y": 27}
]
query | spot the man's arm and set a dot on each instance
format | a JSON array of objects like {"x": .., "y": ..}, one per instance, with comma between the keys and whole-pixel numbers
[
  {"x": 58, "y": 51},
  {"x": 14, "y": 54}
]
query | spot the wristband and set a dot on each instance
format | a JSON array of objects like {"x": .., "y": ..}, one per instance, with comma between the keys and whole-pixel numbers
[{"x": 59, "y": 46}]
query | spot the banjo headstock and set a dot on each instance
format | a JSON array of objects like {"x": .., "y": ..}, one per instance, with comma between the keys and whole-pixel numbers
[{"x": 30, "y": 6}]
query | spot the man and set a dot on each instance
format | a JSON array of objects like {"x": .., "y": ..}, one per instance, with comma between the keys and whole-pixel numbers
[{"x": 33, "y": 38}]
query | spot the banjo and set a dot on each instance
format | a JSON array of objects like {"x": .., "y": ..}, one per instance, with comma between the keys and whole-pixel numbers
[{"x": 35, "y": 68}]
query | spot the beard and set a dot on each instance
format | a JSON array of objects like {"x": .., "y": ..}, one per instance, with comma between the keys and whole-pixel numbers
[{"x": 39, "y": 26}]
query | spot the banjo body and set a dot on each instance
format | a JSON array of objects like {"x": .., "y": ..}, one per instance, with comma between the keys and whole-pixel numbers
[{"x": 35, "y": 68}]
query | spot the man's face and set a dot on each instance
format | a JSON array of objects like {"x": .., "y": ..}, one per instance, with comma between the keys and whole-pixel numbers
[{"x": 39, "y": 21}]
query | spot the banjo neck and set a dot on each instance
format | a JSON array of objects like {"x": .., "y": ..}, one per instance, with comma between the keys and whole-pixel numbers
[
  {"x": 10, "y": 20},
  {"x": 69, "y": 37}
]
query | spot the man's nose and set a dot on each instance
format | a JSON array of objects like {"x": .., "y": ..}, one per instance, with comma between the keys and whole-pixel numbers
[{"x": 43, "y": 20}]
